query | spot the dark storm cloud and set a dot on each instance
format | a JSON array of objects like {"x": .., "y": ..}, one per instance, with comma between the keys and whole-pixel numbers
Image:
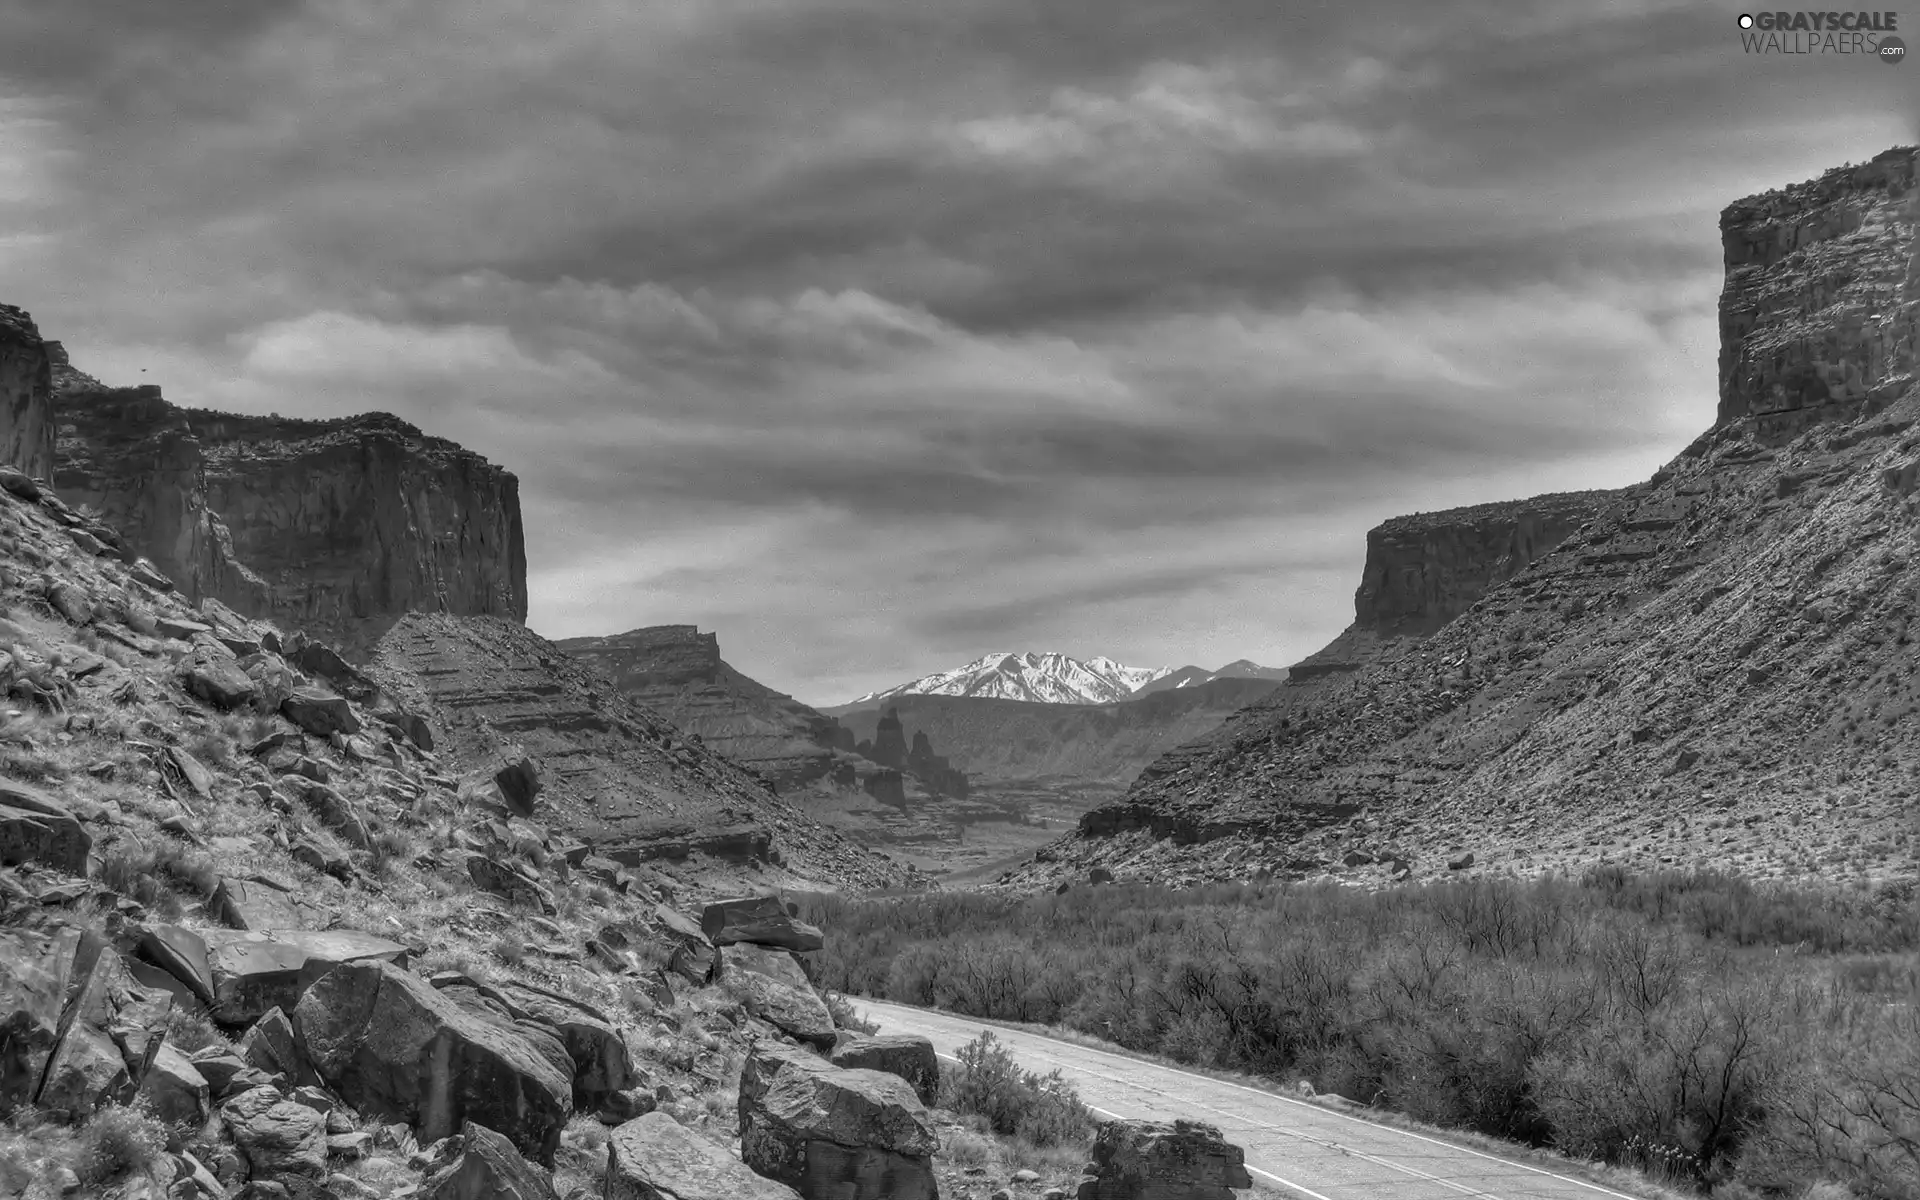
[{"x": 877, "y": 331}]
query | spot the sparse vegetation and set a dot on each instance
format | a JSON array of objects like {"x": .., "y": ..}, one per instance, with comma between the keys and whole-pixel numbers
[
  {"x": 1711, "y": 1030},
  {"x": 1043, "y": 1110}
]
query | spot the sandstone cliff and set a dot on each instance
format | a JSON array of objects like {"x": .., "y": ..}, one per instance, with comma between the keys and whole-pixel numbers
[
  {"x": 26, "y": 396},
  {"x": 1426, "y": 569},
  {"x": 337, "y": 527},
  {"x": 1715, "y": 671}
]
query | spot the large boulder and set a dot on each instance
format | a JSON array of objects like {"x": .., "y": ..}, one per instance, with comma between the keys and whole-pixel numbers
[
  {"x": 771, "y": 985},
  {"x": 254, "y": 972},
  {"x": 1178, "y": 1160},
  {"x": 278, "y": 1136},
  {"x": 762, "y": 920},
  {"x": 175, "y": 1089},
  {"x": 36, "y": 828},
  {"x": 320, "y": 713},
  {"x": 487, "y": 1167},
  {"x": 257, "y": 906},
  {"x": 907, "y": 1055},
  {"x": 602, "y": 1065},
  {"x": 110, "y": 1028},
  {"x": 34, "y": 971},
  {"x": 393, "y": 1047},
  {"x": 852, "y": 1135},
  {"x": 222, "y": 685},
  {"x": 182, "y": 953},
  {"x": 656, "y": 1158}
]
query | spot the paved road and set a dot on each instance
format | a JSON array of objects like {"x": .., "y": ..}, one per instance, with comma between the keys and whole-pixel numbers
[{"x": 1301, "y": 1148}]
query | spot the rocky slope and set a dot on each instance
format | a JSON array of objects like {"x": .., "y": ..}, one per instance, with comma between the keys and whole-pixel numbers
[
  {"x": 1002, "y": 740},
  {"x": 616, "y": 771},
  {"x": 26, "y": 395},
  {"x": 1040, "y": 678},
  {"x": 1716, "y": 670},
  {"x": 339, "y": 946},
  {"x": 335, "y": 526}
]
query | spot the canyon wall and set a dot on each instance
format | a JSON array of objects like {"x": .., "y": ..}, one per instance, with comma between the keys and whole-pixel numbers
[
  {"x": 1426, "y": 569},
  {"x": 1821, "y": 305},
  {"x": 26, "y": 395},
  {"x": 1712, "y": 671},
  {"x": 337, "y": 527}
]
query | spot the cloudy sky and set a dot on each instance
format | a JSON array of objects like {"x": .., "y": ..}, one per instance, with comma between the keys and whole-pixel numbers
[{"x": 880, "y": 334}]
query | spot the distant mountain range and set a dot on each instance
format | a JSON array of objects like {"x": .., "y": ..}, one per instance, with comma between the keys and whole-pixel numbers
[
  {"x": 1240, "y": 668},
  {"x": 1038, "y": 678}
]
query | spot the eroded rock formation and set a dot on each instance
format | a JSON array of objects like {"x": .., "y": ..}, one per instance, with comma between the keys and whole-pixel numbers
[
  {"x": 336, "y": 527},
  {"x": 26, "y": 395}
]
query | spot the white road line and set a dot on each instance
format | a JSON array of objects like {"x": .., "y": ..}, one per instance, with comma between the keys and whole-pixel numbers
[{"x": 1605, "y": 1191}]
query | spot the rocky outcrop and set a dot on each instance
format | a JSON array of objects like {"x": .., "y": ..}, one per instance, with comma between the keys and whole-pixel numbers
[
  {"x": 850, "y": 1134},
  {"x": 907, "y": 1055},
  {"x": 336, "y": 527},
  {"x": 762, "y": 920},
  {"x": 614, "y": 772},
  {"x": 26, "y": 396},
  {"x": 1163, "y": 1160},
  {"x": 1724, "y": 646},
  {"x": 771, "y": 985},
  {"x": 1820, "y": 316},
  {"x": 1426, "y": 569},
  {"x": 656, "y": 1158},
  {"x": 393, "y": 1047},
  {"x": 80, "y": 1032}
]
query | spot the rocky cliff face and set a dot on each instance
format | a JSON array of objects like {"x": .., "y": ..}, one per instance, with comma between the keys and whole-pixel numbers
[
  {"x": 337, "y": 527},
  {"x": 1819, "y": 315},
  {"x": 1714, "y": 670},
  {"x": 26, "y": 395},
  {"x": 1426, "y": 569}
]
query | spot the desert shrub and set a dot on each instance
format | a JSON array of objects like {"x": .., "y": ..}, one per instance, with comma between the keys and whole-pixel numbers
[
  {"x": 1042, "y": 1109},
  {"x": 155, "y": 872},
  {"x": 844, "y": 1016},
  {"x": 116, "y": 1141},
  {"x": 1713, "y": 1030},
  {"x": 189, "y": 1031},
  {"x": 390, "y": 848}
]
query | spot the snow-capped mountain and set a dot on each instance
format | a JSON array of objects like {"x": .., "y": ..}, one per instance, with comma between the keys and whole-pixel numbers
[
  {"x": 1046, "y": 678},
  {"x": 1239, "y": 668}
]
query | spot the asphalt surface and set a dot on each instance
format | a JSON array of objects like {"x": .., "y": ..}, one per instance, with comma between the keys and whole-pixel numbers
[{"x": 1301, "y": 1148}]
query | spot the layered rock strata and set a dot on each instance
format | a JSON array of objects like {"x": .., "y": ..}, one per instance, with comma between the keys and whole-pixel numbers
[
  {"x": 336, "y": 527},
  {"x": 26, "y": 396}
]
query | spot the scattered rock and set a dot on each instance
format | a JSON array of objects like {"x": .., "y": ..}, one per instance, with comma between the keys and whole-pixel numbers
[
  {"x": 906, "y": 1055},
  {"x": 770, "y": 983},
  {"x": 762, "y": 920},
  {"x": 393, "y": 1047},
  {"x": 519, "y": 783},
  {"x": 36, "y": 828},
  {"x": 654, "y": 1157},
  {"x": 857, "y": 1135},
  {"x": 320, "y": 713},
  {"x": 277, "y": 1136},
  {"x": 1461, "y": 862},
  {"x": 502, "y": 880},
  {"x": 221, "y": 685},
  {"x": 1179, "y": 1160},
  {"x": 1099, "y": 875},
  {"x": 175, "y": 1089}
]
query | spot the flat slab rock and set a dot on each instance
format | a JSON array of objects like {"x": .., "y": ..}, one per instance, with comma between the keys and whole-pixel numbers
[
  {"x": 656, "y": 1158},
  {"x": 762, "y": 920},
  {"x": 253, "y": 972}
]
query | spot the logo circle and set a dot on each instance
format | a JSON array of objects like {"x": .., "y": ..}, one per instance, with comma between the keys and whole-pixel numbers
[
  {"x": 1892, "y": 50},
  {"x": 1746, "y": 20}
]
